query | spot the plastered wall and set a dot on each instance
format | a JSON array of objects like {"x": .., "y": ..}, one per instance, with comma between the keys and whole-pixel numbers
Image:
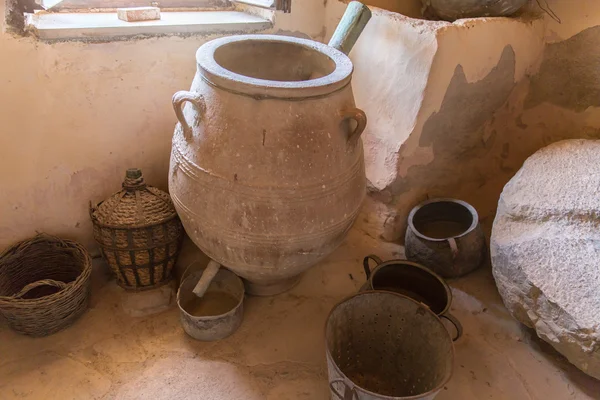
[
  {"x": 455, "y": 109},
  {"x": 74, "y": 116}
]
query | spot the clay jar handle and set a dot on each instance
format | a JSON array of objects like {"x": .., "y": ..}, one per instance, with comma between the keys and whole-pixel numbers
[
  {"x": 453, "y": 247},
  {"x": 361, "y": 122},
  {"x": 197, "y": 101}
]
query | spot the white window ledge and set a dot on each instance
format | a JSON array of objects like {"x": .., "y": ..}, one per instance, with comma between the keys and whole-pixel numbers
[{"x": 60, "y": 26}]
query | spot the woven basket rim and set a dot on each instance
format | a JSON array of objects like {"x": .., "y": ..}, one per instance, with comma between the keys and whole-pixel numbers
[{"x": 72, "y": 286}]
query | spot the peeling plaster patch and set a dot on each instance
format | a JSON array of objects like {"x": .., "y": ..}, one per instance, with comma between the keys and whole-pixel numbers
[
  {"x": 467, "y": 106},
  {"x": 456, "y": 136},
  {"x": 570, "y": 74}
]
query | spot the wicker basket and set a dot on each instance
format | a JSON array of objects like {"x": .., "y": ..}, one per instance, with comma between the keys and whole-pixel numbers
[
  {"x": 139, "y": 233},
  {"x": 44, "y": 284}
]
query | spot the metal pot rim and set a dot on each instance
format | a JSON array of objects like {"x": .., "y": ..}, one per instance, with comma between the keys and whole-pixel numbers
[
  {"x": 357, "y": 387},
  {"x": 421, "y": 267},
  {"x": 213, "y": 73},
  {"x": 469, "y": 207}
]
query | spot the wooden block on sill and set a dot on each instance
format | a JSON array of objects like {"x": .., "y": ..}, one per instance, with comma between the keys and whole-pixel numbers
[{"x": 134, "y": 14}]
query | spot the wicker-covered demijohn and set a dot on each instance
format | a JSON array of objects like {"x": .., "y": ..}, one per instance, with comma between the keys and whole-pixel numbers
[
  {"x": 44, "y": 284},
  {"x": 139, "y": 233}
]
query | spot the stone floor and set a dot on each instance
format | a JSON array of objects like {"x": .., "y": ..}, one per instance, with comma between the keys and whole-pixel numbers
[{"x": 278, "y": 353}]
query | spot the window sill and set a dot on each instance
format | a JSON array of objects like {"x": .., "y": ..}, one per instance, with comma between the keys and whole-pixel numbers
[{"x": 102, "y": 26}]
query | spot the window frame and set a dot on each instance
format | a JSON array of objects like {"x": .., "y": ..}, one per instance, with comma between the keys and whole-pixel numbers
[
  {"x": 79, "y": 5},
  {"x": 202, "y": 5}
]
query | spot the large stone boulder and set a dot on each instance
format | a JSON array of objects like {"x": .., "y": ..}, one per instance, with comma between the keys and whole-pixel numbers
[{"x": 545, "y": 249}]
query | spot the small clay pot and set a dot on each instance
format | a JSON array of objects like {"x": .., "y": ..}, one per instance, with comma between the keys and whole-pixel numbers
[{"x": 445, "y": 236}]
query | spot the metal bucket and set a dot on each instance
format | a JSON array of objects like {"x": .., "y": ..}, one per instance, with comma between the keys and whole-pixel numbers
[
  {"x": 415, "y": 281},
  {"x": 212, "y": 326},
  {"x": 383, "y": 345}
]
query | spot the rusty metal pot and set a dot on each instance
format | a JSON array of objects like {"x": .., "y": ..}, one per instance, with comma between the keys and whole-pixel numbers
[
  {"x": 267, "y": 170},
  {"x": 415, "y": 281},
  {"x": 445, "y": 236}
]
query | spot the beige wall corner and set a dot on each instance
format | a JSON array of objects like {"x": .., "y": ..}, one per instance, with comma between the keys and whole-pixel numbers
[{"x": 76, "y": 115}]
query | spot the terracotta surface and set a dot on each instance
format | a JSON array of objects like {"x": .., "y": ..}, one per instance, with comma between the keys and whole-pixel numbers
[
  {"x": 279, "y": 351},
  {"x": 267, "y": 173}
]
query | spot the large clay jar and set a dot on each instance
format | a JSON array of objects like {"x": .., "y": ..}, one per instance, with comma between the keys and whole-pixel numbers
[{"x": 267, "y": 167}]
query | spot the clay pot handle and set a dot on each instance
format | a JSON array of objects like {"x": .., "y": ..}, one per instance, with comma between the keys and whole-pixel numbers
[
  {"x": 366, "y": 264},
  {"x": 361, "y": 122},
  {"x": 349, "y": 391},
  {"x": 42, "y": 282},
  {"x": 207, "y": 276},
  {"x": 456, "y": 323},
  {"x": 453, "y": 247},
  {"x": 197, "y": 101}
]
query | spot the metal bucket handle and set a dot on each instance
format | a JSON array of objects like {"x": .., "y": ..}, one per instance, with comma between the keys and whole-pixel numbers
[
  {"x": 349, "y": 391},
  {"x": 457, "y": 325},
  {"x": 368, "y": 270}
]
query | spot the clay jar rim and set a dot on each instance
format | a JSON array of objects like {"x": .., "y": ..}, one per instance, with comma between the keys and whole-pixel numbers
[
  {"x": 218, "y": 76},
  {"x": 401, "y": 264},
  {"x": 466, "y": 205}
]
